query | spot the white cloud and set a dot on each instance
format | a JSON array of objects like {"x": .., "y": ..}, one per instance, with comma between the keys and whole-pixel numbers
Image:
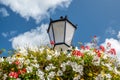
[
  {"x": 4, "y": 12},
  {"x": 31, "y": 39},
  {"x": 36, "y": 9},
  {"x": 9, "y": 34},
  {"x": 4, "y": 34},
  {"x": 118, "y": 35},
  {"x": 110, "y": 31}
]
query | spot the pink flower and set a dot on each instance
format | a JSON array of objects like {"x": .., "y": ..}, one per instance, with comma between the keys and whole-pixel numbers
[
  {"x": 108, "y": 44},
  {"x": 17, "y": 62},
  {"x": 112, "y": 51},
  {"x": 13, "y": 74},
  {"x": 102, "y": 48},
  {"x": 87, "y": 47}
]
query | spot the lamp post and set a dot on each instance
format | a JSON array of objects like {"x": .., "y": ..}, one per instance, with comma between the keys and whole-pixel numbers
[{"x": 61, "y": 32}]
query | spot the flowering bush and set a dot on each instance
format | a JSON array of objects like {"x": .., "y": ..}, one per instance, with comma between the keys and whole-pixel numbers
[{"x": 86, "y": 63}]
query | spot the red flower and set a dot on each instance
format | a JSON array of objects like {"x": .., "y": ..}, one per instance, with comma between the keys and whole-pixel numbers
[
  {"x": 82, "y": 47},
  {"x": 22, "y": 71},
  {"x": 99, "y": 54},
  {"x": 13, "y": 74},
  {"x": 77, "y": 53},
  {"x": 19, "y": 72},
  {"x": 52, "y": 42},
  {"x": 112, "y": 51},
  {"x": 74, "y": 52},
  {"x": 85, "y": 47},
  {"x": 102, "y": 48}
]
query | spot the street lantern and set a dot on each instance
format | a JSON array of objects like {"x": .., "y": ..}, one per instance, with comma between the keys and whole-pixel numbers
[{"x": 61, "y": 32}]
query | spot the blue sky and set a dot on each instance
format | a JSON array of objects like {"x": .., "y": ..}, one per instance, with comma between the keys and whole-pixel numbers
[{"x": 21, "y": 20}]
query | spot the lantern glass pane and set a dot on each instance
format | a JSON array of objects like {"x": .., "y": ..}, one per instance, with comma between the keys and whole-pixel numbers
[
  {"x": 58, "y": 28},
  {"x": 69, "y": 33},
  {"x": 51, "y": 34}
]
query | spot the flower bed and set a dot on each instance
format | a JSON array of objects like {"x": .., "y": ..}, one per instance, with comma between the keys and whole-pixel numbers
[{"x": 86, "y": 63}]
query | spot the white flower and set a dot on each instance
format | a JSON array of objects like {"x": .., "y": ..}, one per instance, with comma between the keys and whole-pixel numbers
[
  {"x": 21, "y": 60},
  {"x": 26, "y": 62},
  {"x": 29, "y": 69},
  {"x": 18, "y": 79},
  {"x": 74, "y": 66},
  {"x": 35, "y": 65},
  {"x": 116, "y": 63},
  {"x": 105, "y": 56},
  {"x": 51, "y": 74},
  {"x": 109, "y": 66},
  {"x": 90, "y": 53},
  {"x": 40, "y": 74},
  {"x": 80, "y": 69},
  {"x": 5, "y": 77},
  {"x": 116, "y": 71},
  {"x": 77, "y": 68},
  {"x": 10, "y": 59},
  {"x": 52, "y": 67},
  {"x": 34, "y": 61},
  {"x": 63, "y": 65},
  {"x": 47, "y": 68},
  {"x": 59, "y": 73},
  {"x": 63, "y": 68},
  {"x": 56, "y": 54},
  {"x": 24, "y": 52},
  {"x": 77, "y": 77},
  {"x": 31, "y": 56},
  {"x": 41, "y": 49},
  {"x": 108, "y": 76},
  {"x": 96, "y": 61},
  {"x": 49, "y": 57},
  {"x": 68, "y": 63},
  {"x": 1, "y": 59},
  {"x": 99, "y": 77}
]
